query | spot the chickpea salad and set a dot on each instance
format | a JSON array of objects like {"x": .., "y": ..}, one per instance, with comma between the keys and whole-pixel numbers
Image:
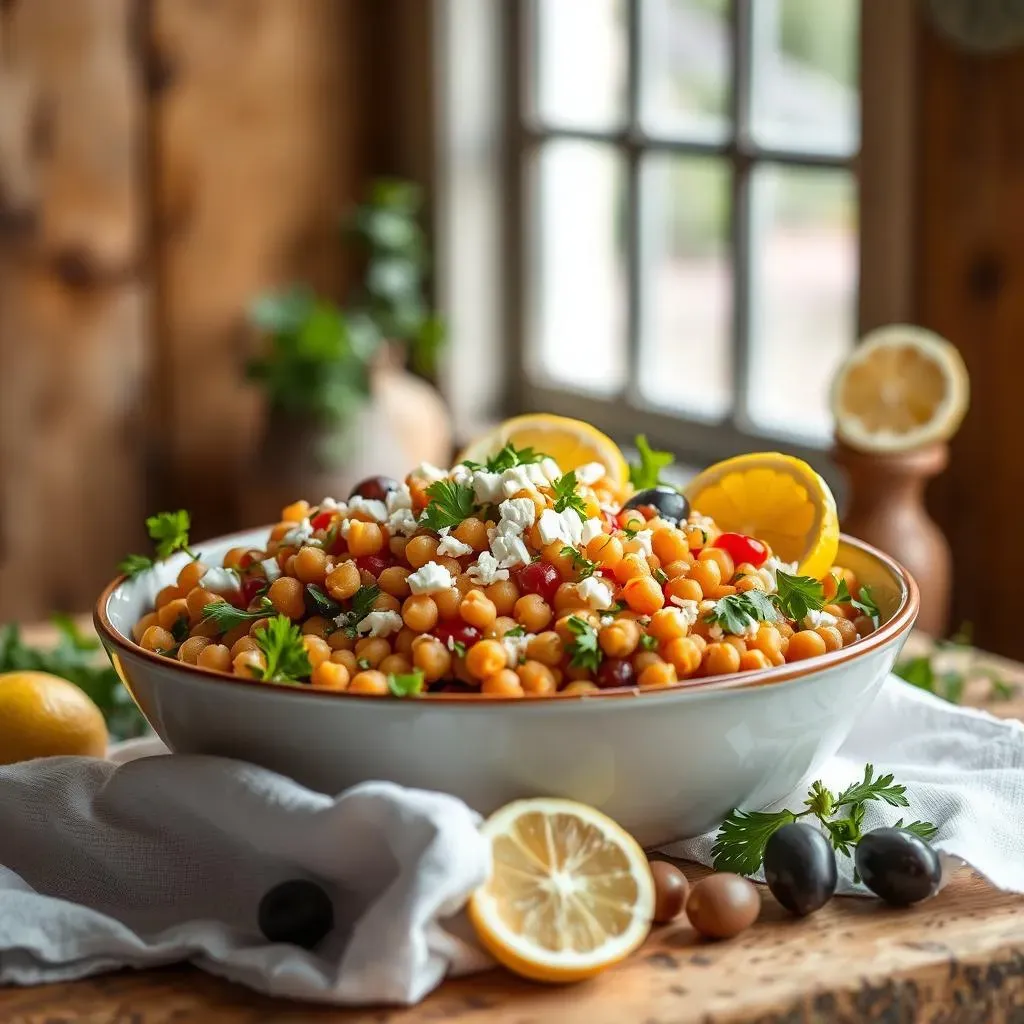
[{"x": 509, "y": 577}]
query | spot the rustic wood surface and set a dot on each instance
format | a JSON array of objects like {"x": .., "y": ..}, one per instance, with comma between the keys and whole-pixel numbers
[{"x": 956, "y": 958}]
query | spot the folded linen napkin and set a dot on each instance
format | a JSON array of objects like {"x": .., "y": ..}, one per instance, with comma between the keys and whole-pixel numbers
[{"x": 166, "y": 858}]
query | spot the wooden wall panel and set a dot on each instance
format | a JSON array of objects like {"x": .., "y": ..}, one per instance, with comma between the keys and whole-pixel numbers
[
  {"x": 969, "y": 262},
  {"x": 72, "y": 301},
  {"x": 256, "y": 154}
]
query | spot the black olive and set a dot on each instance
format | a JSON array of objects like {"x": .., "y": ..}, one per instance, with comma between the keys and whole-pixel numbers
[
  {"x": 665, "y": 500},
  {"x": 298, "y": 912},
  {"x": 898, "y": 866},
  {"x": 800, "y": 868},
  {"x": 374, "y": 488}
]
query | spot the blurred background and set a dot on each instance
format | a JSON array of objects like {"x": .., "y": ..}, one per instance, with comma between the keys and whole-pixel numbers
[{"x": 668, "y": 216}]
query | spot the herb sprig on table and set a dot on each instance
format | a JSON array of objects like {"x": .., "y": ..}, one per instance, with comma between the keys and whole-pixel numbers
[
  {"x": 169, "y": 533},
  {"x": 741, "y": 840}
]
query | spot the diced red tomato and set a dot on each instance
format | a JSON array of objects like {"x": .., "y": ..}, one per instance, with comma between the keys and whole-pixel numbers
[
  {"x": 321, "y": 520},
  {"x": 742, "y": 548},
  {"x": 538, "y": 578},
  {"x": 250, "y": 588},
  {"x": 372, "y": 564},
  {"x": 459, "y": 632}
]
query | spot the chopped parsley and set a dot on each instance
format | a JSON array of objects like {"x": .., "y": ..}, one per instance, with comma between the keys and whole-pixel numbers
[
  {"x": 583, "y": 648},
  {"x": 584, "y": 566},
  {"x": 281, "y": 643},
  {"x": 320, "y": 603},
  {"x": 648, "y": 642},
  {"x": 180, "y": 629},
  {"x": 361, "y": 606},
  {"x": 508, "y": 458},
  {"x": 864, "y": 603},
  {"x": 566, "y": 497},
  {"x": 450, "y": 504},
  {"x": 798, "y": 595},
  {"x": 738, "y": 612},
  {"x": 648, "y": 473},
  {"x": 363, "y": 663},
  {"x": 661, "y": 576},
  {"x": 406, "y": 684},
  {"x": 226, "y": 616},
  {"x": 516, "y": 631}
]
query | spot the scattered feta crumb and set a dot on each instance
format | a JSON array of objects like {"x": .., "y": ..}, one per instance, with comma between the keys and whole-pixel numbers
[
  {"x": 589, "y": 473},
  {"x": 813, "y": 619},
  {"x": 508, "y": 548},
  {"x": 486, "y": 570},
  {"x": 402, "y": 521},
  {"x": 376, "y": 510},
  {"x": 551, "y": 469},
  {"x": 522, "y": 478},
  {"x": 333, "y": 505},
  {"x": 428, "y": 471},
  {"x": 515, "y": 647},
  {"x": 451, "y": 546},
  {"x": 715, "y": 631},
  {"x": 690, "y": 610},
  {"x": 298, "y": 534},
  {"x": 644, "y": 538},
  {"x": 487, "y": 487},
  {"x": 430, "y": 578},
  {"x": 518, "y": 512},
  {"x": 564, "y": 526},
  {"x": 343, "y": 528},
  {"x": 607, "y": 620},
  {"x": 596, "y": 592},
  {"x": 376, "y": 623},
  {"x": 768, "y": 571},
  {"x": 591, "y": 528},
  {"x": 400, "y": 498},
  {"x": 462, "y": 474},
  {"x": 271, "y": 569},
  {"x": 223, "y": 581}
]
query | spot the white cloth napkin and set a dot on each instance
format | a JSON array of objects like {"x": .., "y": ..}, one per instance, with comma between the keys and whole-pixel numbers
[{"x": 166, "y": 858}]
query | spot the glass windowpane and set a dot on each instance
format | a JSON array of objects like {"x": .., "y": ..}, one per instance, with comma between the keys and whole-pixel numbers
[
  {"x": 582, "y": 53},
  {"x": 803, "y": 293},
  {"x": 578, "y": 269},
  {"x": 687, "y": 286}
]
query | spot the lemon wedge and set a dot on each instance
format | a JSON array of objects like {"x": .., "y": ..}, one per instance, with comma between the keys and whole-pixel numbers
[
  {"x": 776, "y": 498},
  {"x": 570, "y": 894},
  {"x": 902, "y": 387}
]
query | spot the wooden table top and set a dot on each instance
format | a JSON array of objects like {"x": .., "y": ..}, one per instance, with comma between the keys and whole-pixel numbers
[{"x": 958, "y": 957}]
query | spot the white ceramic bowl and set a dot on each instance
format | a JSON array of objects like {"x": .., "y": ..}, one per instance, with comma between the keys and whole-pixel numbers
[{"x": 666, "y": 764}]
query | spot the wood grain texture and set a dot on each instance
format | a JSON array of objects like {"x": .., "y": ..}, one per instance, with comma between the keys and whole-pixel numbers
[{"x": 72, "y": 301}]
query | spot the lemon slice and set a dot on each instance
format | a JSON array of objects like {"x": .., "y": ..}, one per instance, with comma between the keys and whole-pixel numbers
[
  {"x": 778, "y": 499},
  {"x": 571, "y": 443},
  {"x": 570, "y": 894},
  {"x": 901, "y": 387}
]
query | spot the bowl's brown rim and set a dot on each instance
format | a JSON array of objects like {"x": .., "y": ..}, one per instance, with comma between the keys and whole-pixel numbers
[{"x": 900, "y": 622}]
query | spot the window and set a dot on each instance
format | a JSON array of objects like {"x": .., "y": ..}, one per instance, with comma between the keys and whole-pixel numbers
[{"x": 688, "y": 215}]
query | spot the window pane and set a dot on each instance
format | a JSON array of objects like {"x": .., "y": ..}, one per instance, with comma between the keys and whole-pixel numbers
[
  {"x": 581, "y": 49},
  {"x": 579, "y": 266},
  {"x": 805, "y": 91},
  {"x": 685, "y": 67},
  {"x": 803, "y": 293},
  {"x": 686, "y": 278}
]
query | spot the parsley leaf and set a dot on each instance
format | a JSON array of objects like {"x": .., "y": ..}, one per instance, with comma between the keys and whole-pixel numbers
[
  {"x": 132, "y": 565},
  {"x": 865, "y": 603},
  {"x": 406, "y": 684},
  {"x": 281, "y": 643},
  {"x": 516, "y": 631},
  {"x": 450, "y": 504},
  {"x": 362, "y": 605},
  {"x": 922, "y": 829},
  {"x": 226, "y": 616},
  {"x": 363, "y": 663},
  {"x": 870, "y": 788},
  {"x": 584, "y": 566},
  {"x": 661, "y": 576},
  {"x": 648, "y": 473},
  {"x": 566, "y": 496},
  {"x": 169, "y": 533},
  {"x": 457, "y": 647},
  {"x": 648, "y": 642},
  {"x": 737, "y": 612},
  {"x": 798, "y": 595},
  {"x": 508, "y": 458},
  {"x": 583, "y": 649},
  {"x": 740, "y": 842},
  {"x": 180, "y": 629},
  {"x": 320, "y": 603}
]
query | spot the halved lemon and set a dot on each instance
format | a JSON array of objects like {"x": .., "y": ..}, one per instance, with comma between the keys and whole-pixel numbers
[
  {"x": 571, "y": 443},
  {"x": 777, "y": 498},
  {"x": 570, "y": 894},
  {"x": 902, "y": 387}
]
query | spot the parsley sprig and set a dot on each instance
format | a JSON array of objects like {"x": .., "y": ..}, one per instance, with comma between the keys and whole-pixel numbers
[
  {"x": 741, "y": 840},
  {"x": 648, "y": 473},
  {"x": 738, "y": 612},
  {"x": 864, "y": 602},
  {"x": 450, "y": 504},
  {"x": 406, "y": 684},
  {"x": 362, "y": 605},
  {"x": 583, "y": 649},
  {"x": 798, "y": 595},
  {"x": 281, "y": 643},
  {"x": 566, "y": 497},
  {"x": 226, "y": 616},
  {"x": 169, "y": 533},
  {"x": 584, "y": 566},
  {"x": 508, "y": 458}
]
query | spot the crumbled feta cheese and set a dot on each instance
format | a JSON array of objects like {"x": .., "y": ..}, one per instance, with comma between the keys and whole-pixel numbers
[
  {"x": 522, "y": 478},
  {"x": 551, "y": 469},
  {"x": 768, "y": 571},
  {"x": 376, "y": 623},
  {"x": 376, "y": 510},
  {"x": 689, "y": 610},
  {"x": 589, "y": 473},
  {"x": 596, "y": 592},
  {"x": 462, "y": 474},
  {"x": 451, "y": 546},
  {"x": 430, "y": 578},
  {"x": 428, "y": 471},
  {"x": 333, "y": 505},
  {"x": 487, "y": 487},
  {"x": 343, "y": 528},
  {"x": 508, "y": 548},
  {"x": 813, "y": 619},
  {"x": 607, "y": 620},
  {"x": 222, "y": 581},
  {"x": 400, "y": 498},
  {"x": 564, "y": 526},
  {"x": 715, "y": 631},
  {"x": 485, "y": 570},
  {"x": 515, "y": 648},
  {"x": 703, "y": 522},
  {"x": 298, "y": 534},
  {"x": 402, "y": 521},
  {"x": 271, "y": 569},
  {"x": 591, "y": 528},
  {"x": 644, "y": 538},
  {"x": 518, "y": 512}
]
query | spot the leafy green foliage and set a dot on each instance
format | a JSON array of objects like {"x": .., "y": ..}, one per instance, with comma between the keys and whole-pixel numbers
[
  {"x": 132, "y": 565},
  {"x": 737, "y": 612},
  {"x": 281, "y": 643},
  {"x": 406, "y": 684},
  {"x": 584, "y": 566},
  {"x": 583, "y": 649},
  {"x": 518, "y": 630},
  {"x": 740, "y": 842},
  {"x": 648, "y": 472},
  {"x": 864, "y": 602},
  {"x": 226, "y": 616},
  {"x": 450, "y": 504},
  {"x": 508, "y": 458},
  {"x": 169, "y": 533},
  {"x": 321, "y": 603},
  {"x": 77, "y": 658},
  {"x": 361, "y": 606},
  {"x": 564, "y": 489},
  {"x": 798, "y": 595}
]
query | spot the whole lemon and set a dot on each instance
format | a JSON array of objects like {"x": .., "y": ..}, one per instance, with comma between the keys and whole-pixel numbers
[{"x": 43, "y": 715}]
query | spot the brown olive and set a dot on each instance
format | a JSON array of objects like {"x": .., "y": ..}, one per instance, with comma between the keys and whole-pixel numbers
[
  {"x": 721, "y": 906},
  {"x": 670, "y": 891}
]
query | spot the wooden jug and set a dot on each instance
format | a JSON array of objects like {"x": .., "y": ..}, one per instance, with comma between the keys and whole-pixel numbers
[{"x": 886, "y": 508}]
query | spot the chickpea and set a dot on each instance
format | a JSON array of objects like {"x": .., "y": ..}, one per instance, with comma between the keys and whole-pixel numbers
[
  {"x": 342, "y": 581},
  {"x": 669, "y": 545},
  {"x": 847, "y": 630},
  {"x": 419, "y": 613},
  {"x": 372, "y": 650},
  {"x": 685, "y": 655},
  {"x": 721, "y": 659},
  {"x": 619, "y": 639},
  {"x": 431, "y": 657},
  {"x": 736, "y": 641},
  {"x": 402, "y": 641},
  {"x": 533, "y": 612},
  {"x": 287, "y": 595},
  {"x": 642, "y": 659},
  {"x": 140, "y": 627},
  {"x": 632, "y": 519},
  {"x": 447, "y": 602},
  {"x": 838, "y": 611},
  {"x": 317, "y": 649},
  {"x": 420, "y": 550},
  {"x": 397, "y": 545},
  {"x": 536, "y": 678},
  {"x": 678, "y": 568},
  {"x": 643, "y": 594},
  {"x": 606, "y": 550},
  {"x": 190, "y": 650},
  {"x": 708, "y": 575},
  {"x": 329, "y": 675},
  {"x": 311, "y": 565},
  {"x": 386, "y": 603},
  {"x": 396, "y": 665},
  {"x": 339, "y": 640},
  {"x": 832, "y": 637},
  {"x": 255, "y": 627},
  {"x": 502, "y": 624},
  {"x": 165, "y": 595},
  {"x": 753, "y": 660},
  {"x": 364, "y": 538},
  {"x": 295, "y": 512},
  {"x": 249, "y": 664},
  {"x": 631, "y": 566},
  {"x": 233, "y": 635},
  {"x": 563, "y": 629},
  {"x": 346, "y": 658},
  {"x": 864, "y": 625},
  {"x": 485, "y": 658},
  {"x": 370, "y": 682},
  {"x": 563, "y": 563},
  {"x": 546, "y": 648},
  {"x": 478, "y": 610},
  {"x": 785, "y": 630},
  {"x": 317, "y": 625},
  {"x": 503, "y": 594},
  {"x": 156, "y": 638},
  {"x": 747, "y": 583},
  {"x": 472, "y": 531},
  {"x": 687, "y": 589},
  {"x": 579, "y": 686},
  {"x": 768, "y": 640},
  {"x": 726, "y": 566},
  {"x": 245, "y": 643},
  {"x": 567, "y": 598},
  {"x": 657, "y": 674},
  {"x": 667, "y": 624},
  {"x": 190, "y": 576},
  {"x": 216, "y": 657},
  {"x": 504, "y": 683},
  {"x": 805, "y": 644}
]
